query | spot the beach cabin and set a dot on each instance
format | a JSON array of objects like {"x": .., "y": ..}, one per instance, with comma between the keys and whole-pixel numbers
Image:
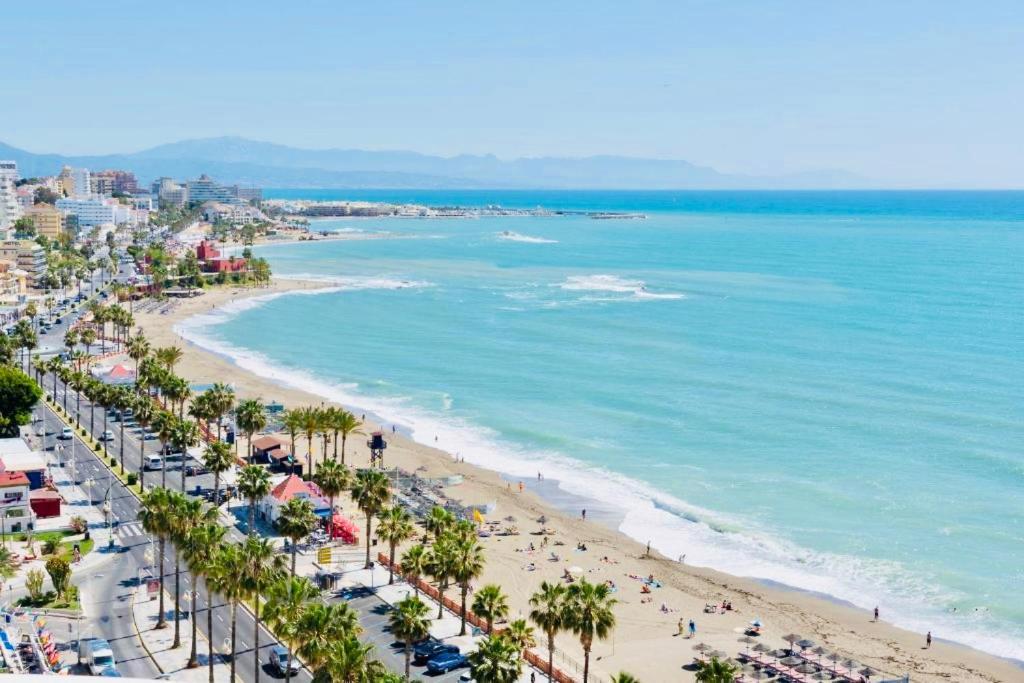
[
  {"x": 288, "y": 488},
  {"x": 118, "y": 375},
  {"x": 45, "y": 503},
  {"x": 261, "y": 449}
]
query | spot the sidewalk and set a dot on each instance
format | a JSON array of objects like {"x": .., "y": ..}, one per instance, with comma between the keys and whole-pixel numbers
[{"x": 146, "y": 612}]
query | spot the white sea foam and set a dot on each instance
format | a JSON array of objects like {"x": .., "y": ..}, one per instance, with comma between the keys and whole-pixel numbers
[
  {"x": 529, "y": 239},
  {"x": 636, "y": 289},
  {"x": 738, "y": 546}
]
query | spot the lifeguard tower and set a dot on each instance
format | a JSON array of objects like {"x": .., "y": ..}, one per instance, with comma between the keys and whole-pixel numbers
[{"x": 377, "y": 444}]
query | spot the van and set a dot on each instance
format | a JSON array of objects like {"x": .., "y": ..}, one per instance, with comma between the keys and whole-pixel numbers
[{"x": 154, "y": 462}]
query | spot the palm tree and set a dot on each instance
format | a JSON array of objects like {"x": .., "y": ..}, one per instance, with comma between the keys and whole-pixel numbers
[
  {"x": 218, "y": 459},
  {"x": 589, "y": 615},
  {"x": 395, "y": 526},
  {"x": 138, "y": 348},
  {"x": 169, "y": 356},
  {"x": 332, "y": 477},
  {"x": 254, "y": 484},
  {"x": 520, "y": 634},
  {"x": 371, "y": 493},
  {"x": 490, "y": 604},
  {"x": 440, "y": 561},
  {"x": 549, "y": 613},
  {"x": 88, "y": 337},
  {"x": 347, "y": 661},
  {"x": 409, "y": 624},
  {"x": 623, "y": 677},
  {"x": 200, "y": 551},
  {"x": 716, "y": 670},
  {"x": 144, "y": 415},
  {"x": 163, "y": 423},
  {"x": 260, "y": 567},
  {"x": 221, "y": 403},
  {"x": 223, "y": 579},
  {"x": 297, "y": 520},
  {"x": 292, "y": 422},
  {"x": 346, "y": 423},
  {"x": 495, "y": 660},
  {"x": 312, "y": 419},
  {"x": 437, "y": 522},
  {"x": 177, "y": 391},
  {"x": 320, "y": 626},
  {"x": 186, "y": 514},
  {"x": 184, "y": 435},
  {"x": 155, "y": 515},
  {"x": 250, "y": 415},
  {"x": 287, "y": 601},
  {"x": 467, "y": 564},
  {"x": 414, "y": 565},
  {"x": 123, "y": 399}
]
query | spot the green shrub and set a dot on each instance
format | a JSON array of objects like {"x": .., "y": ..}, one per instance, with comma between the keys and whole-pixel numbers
[
  {"x": 113, "y": 461},
  {"x": 132, "y": 479}
]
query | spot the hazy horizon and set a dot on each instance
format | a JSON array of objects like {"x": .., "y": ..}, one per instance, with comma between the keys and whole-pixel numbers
[{"x": 920, "y": 94}]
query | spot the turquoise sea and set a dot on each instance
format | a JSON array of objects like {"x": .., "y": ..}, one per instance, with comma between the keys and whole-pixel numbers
[{"x": 820, "y": 389}]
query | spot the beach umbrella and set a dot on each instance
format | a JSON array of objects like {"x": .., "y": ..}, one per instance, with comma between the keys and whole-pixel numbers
[
  {"x": 867, "y": 672},
  {"x": 850, "y": 665},
  {"x": 791, "y": 638},
  {"x": 761, "y": 647},
  {"x": 702, "y": 647},
  {"x": 805, "y": 643},
  {"x": 820, "y": 651},
  {"x": 807, "y": 668},
  {"x": 759, "y": 675},
  {"x": 823, "y": 676},
  {"x": 716, "y": 654},
  {"x": 791, "y": 661},
  {"x": 747, "y": 641}
]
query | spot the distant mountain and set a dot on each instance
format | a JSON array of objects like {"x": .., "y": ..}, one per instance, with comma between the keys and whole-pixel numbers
[{"x": 233, "y": 159}]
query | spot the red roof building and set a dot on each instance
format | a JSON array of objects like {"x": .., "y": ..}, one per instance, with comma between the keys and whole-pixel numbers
[{"x": 291, "y": 487}]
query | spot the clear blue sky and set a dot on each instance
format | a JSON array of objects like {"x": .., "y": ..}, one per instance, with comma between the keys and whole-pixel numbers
[{"x": 917, "y": 91}]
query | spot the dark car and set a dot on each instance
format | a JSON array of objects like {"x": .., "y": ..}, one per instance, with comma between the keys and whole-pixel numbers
[
  {"x": 195, "y": 470},
  {"x": 426, "y": 650},
  {"x": 446, "y": 661}
]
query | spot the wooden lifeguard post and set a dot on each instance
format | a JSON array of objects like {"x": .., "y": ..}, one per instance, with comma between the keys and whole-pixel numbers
[{"x": 377, "y": 444}]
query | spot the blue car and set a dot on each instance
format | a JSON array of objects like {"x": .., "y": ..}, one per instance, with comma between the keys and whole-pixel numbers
[
  {"x": 446, "y": 661},
  {"x": 428, "y": 649}
]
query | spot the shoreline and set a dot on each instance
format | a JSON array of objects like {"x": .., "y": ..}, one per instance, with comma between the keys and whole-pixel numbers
[{"x": 649, "y": 632}]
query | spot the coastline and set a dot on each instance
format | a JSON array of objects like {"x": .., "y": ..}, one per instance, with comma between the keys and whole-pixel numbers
[{"x": 644, "y": 643}]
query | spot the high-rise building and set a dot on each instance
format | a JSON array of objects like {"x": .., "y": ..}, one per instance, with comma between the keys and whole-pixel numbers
[
  {"x": 47, "y": 220},
  {"x": 10, "y": 210},
  {"x": 81, "y": 182},
  {"x": 94, "y": 210},
  {"x": 110, "y": 181},
  {"x": 206, "y": 189},
  {"x": 169, "y": 192}
]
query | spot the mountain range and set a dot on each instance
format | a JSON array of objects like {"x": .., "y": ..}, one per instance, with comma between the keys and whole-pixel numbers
[{"x": 265, "y": 164}]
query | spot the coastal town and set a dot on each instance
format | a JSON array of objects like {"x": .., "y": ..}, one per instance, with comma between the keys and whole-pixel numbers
[{"x": 166, "y": 513}]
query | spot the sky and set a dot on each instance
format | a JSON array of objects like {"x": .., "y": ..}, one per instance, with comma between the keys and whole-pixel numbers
[{"x": 910, "y": 92}]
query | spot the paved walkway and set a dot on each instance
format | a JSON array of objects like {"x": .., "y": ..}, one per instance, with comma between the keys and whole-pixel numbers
[{"x": 146, "y": 612}]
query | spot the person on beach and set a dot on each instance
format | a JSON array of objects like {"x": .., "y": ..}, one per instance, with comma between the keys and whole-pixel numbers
[
  {"x": 928, "y": 640},
  {"x": 693, "y": 628},
  {"x": 584, "y": 514},
  {"x": 681, "y": 627},
  {"x": 876, "y": 613}
]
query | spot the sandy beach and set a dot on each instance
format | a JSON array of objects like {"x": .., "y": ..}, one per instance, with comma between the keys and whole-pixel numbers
[{"x": 645, "y": 641}]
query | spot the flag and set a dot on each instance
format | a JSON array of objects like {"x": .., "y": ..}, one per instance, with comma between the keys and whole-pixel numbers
[{"x": 477, "y": 517}]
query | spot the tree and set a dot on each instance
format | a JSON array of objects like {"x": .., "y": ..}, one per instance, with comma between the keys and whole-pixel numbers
[
  {"x": 292, "y": 422},
  {"x": 144, "y": 413},
  {"x": 187, "y": 514},
  {"x": 33, "y": 581},
  {"x": 332, "y": 477},
  {"x": 371, "y": 493},
  {"x": 495, "y": 660},
  {"x": 123, "y": 399},
  {"x": 287, "y": 602},
  {"x": 623, "y": 677},
  {"x": 297, "y": 521},
  {"x": 347, "y": 661},
  {"x": 490, "y": 604},
  {"x": 169, "y": 356},
  {"x": 520, "y": 634},
  {"x": 138, "y": 348},
  {"x": 163, "y": 423},
  {"x": 250, "y": 415},
  {"x": 18, "y": 395},
  {"x": 437, "y": 522},
  {"x": 311, "y": 422},
  {"x": 260, "y": 568},
  {"x": 254, "y": 484},
  {"x": 716, "y": 671},
  {"x": 549, "y": 613},
  {"x": 439, "y": 567},
  {"x": 200, "y": 551},
  {"x": 467, "y": 564},
  {"x": 223, "y": 579},
  {"x": 155, "y": 515},
  {"x": 345, "y": 423},
  {"x": 59, "y": 570},
  {"x": 589, "y": 615},
  {"x": 395, "y": 526},
  {"x": 414, "y": 565},
  {"x": 320, "y": 626},
  {"x": 184, "y": 435},
  {"x": 409, "y": 624},
  {"x": 218, "y": 459}
]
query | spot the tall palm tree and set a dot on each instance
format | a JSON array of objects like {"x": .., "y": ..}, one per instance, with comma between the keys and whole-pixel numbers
[
  {"x": 176, "y": 390},
  {"x": 520, "y": 634},
  {"x": 437, "y": 522},
  {"x": 124, "y": 398},
  {"x": 186, "y": 514},
  {"x": 221, "y": 403},
  {"x": 322, "y": 625},
  {"x": 347, "y": 424},
  {"x": 296, "y": 522},
  {"x": 589, "y": 616},
  {"x": 292, "y": 422},
  {"x": 155, "y": 513},
  {"x": 495, "y": 660},
  {"x": 144, "y": 415},
  {"x": 371, "y": 492},
  {"x": 184, "y": 436},
  {"x": 716, "y": 670},
  {"x": 409, "y": 624},
  {"x": 394, "y": 525},
  {"x": 254, "y": 484},
  {"x": 223, "y": 579},
  {"x": 287, "y": 602},
  {"x": 163, "y": 423},
  {"x": 332, "y": 477},
  {"x": 138, "y": 348},
  {"x": 414, "y": 565},
  {"x": 200, "y": 551},
  {"x": 467, "y": 564},
  {"x": 218, "y": 459},
  {"x": 348, "y": 660},
  {"x": 490, "y": 604},
  {"x": 440, "y": 562},
  {"x": 549, "y": 613},
  {"x": 260, "y": 567},
  {"x": 251, "y": 417},
  {"x": 169, "y": 356},
  {"x": 312, "y": 419}
]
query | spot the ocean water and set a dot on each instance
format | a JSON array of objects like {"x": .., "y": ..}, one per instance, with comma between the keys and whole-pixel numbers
[{"x": 820, "y": 389}]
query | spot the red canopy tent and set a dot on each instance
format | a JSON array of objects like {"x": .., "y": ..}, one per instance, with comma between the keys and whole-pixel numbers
[{"x": 345, "y": 529}]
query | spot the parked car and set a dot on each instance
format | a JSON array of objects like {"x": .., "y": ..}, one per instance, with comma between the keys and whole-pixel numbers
[
  {"x": 279, "y": 660},
  {"x": 195, "y": 470},
  {"x": 447, "y": 661},
  {"x": 427, "y": 649},
  {"x": 154, "y": 462},
  {"x": 107, "y": 435}
]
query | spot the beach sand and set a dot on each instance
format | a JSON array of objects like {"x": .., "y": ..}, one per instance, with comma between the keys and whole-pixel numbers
[{"x": 645, "y": 641}]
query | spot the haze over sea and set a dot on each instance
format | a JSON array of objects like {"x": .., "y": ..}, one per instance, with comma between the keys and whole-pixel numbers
[{"x": 820, "y": 389}]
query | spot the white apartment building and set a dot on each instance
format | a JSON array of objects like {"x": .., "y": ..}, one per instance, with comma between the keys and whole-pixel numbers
[
  {"x": 10, "y": 210},
  {"x": 95, "y": 210},
  {"x": 82, "y": 180}
]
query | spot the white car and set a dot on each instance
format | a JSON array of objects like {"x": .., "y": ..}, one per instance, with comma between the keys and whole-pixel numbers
[
  {"x": 66, "y": 433},
  {"x": 107, "y": 435}
]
